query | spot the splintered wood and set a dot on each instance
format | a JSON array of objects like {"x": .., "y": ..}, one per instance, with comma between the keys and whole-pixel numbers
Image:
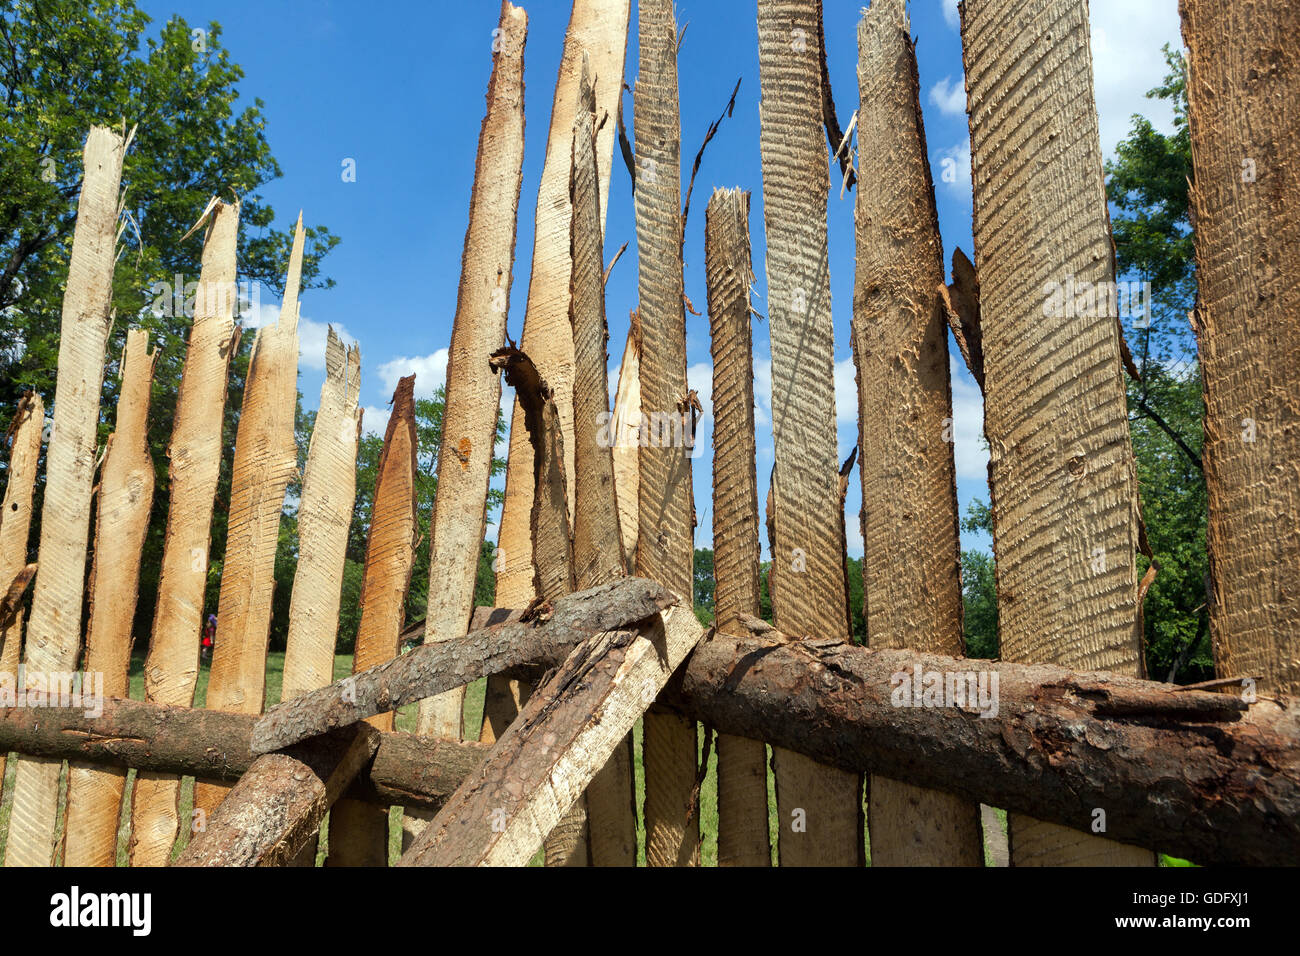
[
  {"x": 126, "y": 483},
  {"x": 911, "y": 568},
  {"x": 819, "y": 808},
  {"x": 266, "y": 460},
  {"x": 54, "y": 628},
  {"x": 563, "y": 736},
  {"x": 1062, "y": 483},
  {"x": 1243, "y": 93},
  {"x": 742, "y": 763},
  {"x": 172, "y": 667}
]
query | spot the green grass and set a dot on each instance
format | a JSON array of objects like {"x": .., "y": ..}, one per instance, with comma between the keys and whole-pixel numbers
[{"x": 406, "y": 719}]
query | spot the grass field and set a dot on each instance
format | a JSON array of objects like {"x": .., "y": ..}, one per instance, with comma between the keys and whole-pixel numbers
[{"x": 406, "y": 721}]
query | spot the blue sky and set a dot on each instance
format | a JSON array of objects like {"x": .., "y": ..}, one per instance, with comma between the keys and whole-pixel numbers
[{"x": 399, "y": 89}]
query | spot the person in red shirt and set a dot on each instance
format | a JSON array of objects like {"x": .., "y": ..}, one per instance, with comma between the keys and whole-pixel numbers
[{"x": 209, "y": 637}]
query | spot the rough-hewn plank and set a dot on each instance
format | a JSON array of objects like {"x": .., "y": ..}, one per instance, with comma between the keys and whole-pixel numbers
[
  {"x": 54, "y": 627},
  {"x": 172, "y": 667},
  {"x": 1169, "y": 765},
  {"x": 275, "y": 809},
  {"x": 473, "y": 388},
  {"x": 1062, "y": 483},
  {"x": 564, "y": 735},
  {"x": 911, "y": 568},
  {"x": 597, "y": 542},
  {"x": 24, "y": 437},
  {"x": 812, "y": 591},
  {"x": 545, "y": 636},
  {"x": 665, "y": 544},
  {"x": 126, "y": 482},
  {"x": 742, "y": 763},
  {"x": 359, "y": 834},
  {"x": 1243, "y": 93}
]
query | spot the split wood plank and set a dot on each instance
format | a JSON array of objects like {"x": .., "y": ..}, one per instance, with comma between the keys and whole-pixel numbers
[{"x": 54, "y": 627}]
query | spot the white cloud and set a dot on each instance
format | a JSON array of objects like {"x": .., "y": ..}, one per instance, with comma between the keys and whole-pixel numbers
[
  {"x": 1127, "y": 61},
  {"x": 430, "y": 371},
  {"x": 312, "y": 336},
  {"x": 950, "y": 97},
  {"x": 374, "y": 420},
  {"x": 846, "y": 392},
  {"x": 952, "y": 169},
  {"x": 762, "y": 390},
  {"x": 951, "y": 15},
  {"x": 969, "y": 454}
]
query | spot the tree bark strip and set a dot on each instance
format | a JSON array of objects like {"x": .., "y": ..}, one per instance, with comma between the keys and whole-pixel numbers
[
  {"x": 172, "y": 666},
  {"x": 273, "y": 812},
  {"x": 812, "y": 592},
  {"x": 565, "y": 734},
  {"x": 408, "y": 769},
  {"x": 324, "y": 516},
  {"x": 911, "y": 569},
  {"x": 1062, "y": 482},
  {"x": 665, "y": 544},
  {"x": 545, "y": 636},
  {"x": 742, "y": 763},
  {"x": 266, "y": 460},
  {"x": 597, "y": 542},
  {"x": 24, "y": 436},
  {"x": 1242, "y": 89},
  {"x": 598, "y": 28},
  {"x": 54, "y": 627},
  {"x": 126, "y": 483},
  {"x": 1170, "y": 765},
  {"x": 359, "y": 834},
  {"x": 473, "y": 387}
]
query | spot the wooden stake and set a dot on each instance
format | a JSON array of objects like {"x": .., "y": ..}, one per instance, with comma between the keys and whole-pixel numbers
[
  {"x": 54, "y": 628},
  {"x": 172, "y": 667},
  {"x": 1062, "y": 483},
  {"x": 819, "y": 809},
  {"x": 126, "y": 483}
]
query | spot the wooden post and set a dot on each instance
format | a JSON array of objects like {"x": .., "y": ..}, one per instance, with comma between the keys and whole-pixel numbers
[
  {"x": 911, "y": 567},
  {"x": 266, "y": 460},
  {"x": 126, "y": 483},
  {"x": 54, "y": 628},
  {"x": 1242, "y": 87},
  {"x": 820, "y": 809},
  {"x": 742, "y": 763},
  {"x": 665, "y": 548},
  {"x": 15, "y": 526},
  {"x": 1062, "y": 482},
  {"x": 172, "y": 667},
  {"x": 359, "y": 832}
]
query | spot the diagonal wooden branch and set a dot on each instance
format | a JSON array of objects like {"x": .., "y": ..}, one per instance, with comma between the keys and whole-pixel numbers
[
  {"x": 546, "y": 637},
  {"x": 549, "y": 756},
  {"x": 277, "y": 806}
]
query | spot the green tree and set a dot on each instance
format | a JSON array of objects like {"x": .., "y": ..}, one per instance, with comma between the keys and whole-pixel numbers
[
  {"x": 1147, "y": 184},
  {"x": 64, "y": 66},
  {"x": 979, "y": 587}
]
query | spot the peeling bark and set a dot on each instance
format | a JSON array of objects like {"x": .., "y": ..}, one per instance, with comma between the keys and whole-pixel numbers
[
  {"x": 565, "y": 734},
  {"x": 54, "y": 627},
  {"x": 812, "y": 590},
  {"x": 16, "y": 523},
  {"x": 742, "y": 763},
  {"x": 266, "y": 460},
  {"x": 473, "y": 387},
  {"x": 359, "y": 834},
  {"x": 126, "y": 483},
  {"x": 1062, "y": 482},
  {"x": 1242, "y": 89},
  {"x": 172, "y": 667},
  {"x": 911, "y": 568},
  {"x": 665, "y": 548}
]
